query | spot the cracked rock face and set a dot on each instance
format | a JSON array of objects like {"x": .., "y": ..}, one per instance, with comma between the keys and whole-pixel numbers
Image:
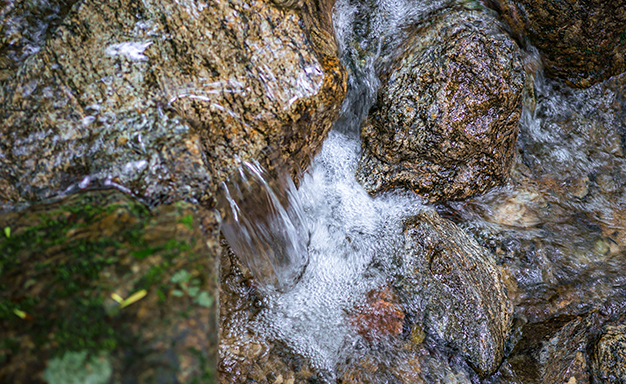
[
  {"x": 446, "y": 119},
  {"x": 166, "y": 107},
  {"x": 454, "y": 287}
]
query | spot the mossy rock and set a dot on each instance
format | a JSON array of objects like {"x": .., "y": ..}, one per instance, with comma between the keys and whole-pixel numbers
[{"x": 100, "y": 282}]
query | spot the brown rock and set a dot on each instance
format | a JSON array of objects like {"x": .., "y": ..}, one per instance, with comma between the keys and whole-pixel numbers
[
  {"x": 380, "y": 317},
  {"x": 446, "y": 119},
  {"x": 582, "y": 42},
  {"x": 551, "y": 352},
  {"x": 609, "y": 354},
  {"x": 166, "y": 107}
]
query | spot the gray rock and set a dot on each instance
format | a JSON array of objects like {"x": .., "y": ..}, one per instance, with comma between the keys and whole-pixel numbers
[
  {"x": 446, "y": 119},
  {"x": 454, "y": 285}
]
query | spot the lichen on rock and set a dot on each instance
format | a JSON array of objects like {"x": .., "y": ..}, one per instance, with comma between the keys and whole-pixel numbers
[{"x": 88, "y": 280}]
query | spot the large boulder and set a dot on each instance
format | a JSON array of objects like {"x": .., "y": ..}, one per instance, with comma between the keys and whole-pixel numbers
[
  {"x": 97, "y": 288},
  {"x": 454, "y": 287},
  {"x": 581, "y": 41},
  {"x": 446, "y": 119},
  {"x": 166, "y": 98}
]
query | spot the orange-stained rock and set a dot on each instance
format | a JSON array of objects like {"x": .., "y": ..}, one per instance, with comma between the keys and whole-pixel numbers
[{"x": 380, "y": 317}]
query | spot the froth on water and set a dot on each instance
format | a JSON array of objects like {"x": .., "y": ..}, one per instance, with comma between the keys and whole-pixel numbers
[{"x": 263, "y": 224}]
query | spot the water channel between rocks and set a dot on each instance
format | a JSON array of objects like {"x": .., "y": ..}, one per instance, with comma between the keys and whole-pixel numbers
[{"x": 556, "y": 228}]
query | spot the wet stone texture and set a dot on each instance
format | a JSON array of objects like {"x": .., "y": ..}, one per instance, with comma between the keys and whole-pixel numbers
[
  {"x": 559, "y": 226},
  {"x": 549, "y": 352},
  {"x": 581, "y": 41},
  {"x": 609, "y": 353},
  {"x": 166, "y": 107},
  {"x": 446, "y": 119},
  {"x": 453, "y": 285},
  {"x": 24, "y": 26},
  {"x": 97, "y": 288}
]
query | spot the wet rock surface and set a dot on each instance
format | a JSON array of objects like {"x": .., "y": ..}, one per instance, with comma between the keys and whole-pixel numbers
[
  {"x": 550, "y": 352},
  {"x": 582, "y": 42},
  {"x": 609, "y": 353},
  {"x": 456, "y": 289},
  {"x": 557, "y": 227},
  {"x": 166, "y": 107},
  {"x": 98, "y": 287},
  {"x": 24, "y": 27},
  {"x": 446, "y": 119}
]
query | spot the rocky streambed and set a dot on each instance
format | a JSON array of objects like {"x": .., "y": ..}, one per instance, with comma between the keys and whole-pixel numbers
[{"x": 440, "y": 195}]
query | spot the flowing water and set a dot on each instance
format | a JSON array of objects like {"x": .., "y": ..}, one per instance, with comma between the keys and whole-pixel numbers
[{"x": 558, "y": 227}]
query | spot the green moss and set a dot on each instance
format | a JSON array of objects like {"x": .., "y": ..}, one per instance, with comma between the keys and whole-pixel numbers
[{"x": 187, "y": 220}]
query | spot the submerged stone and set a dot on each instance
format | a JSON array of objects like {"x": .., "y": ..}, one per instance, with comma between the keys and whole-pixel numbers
[
  {"x": 582, "y": 42},
  {"x": 454, "y": 286},
  {"x": 446, "y": 119},
  {"x": 549, "y": 352},
  {"x": 96, "y": 286},
  {"x": 166, "y": 107}
]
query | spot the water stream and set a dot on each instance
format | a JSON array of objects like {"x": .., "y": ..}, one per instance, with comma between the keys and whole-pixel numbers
[{"x": 557, "y": 226}]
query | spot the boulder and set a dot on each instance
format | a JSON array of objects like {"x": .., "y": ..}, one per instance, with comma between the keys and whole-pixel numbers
[
  {"x": 97, "y": 288},
  {"x": 454, "y": 287},
  {"x": 446, "y": 119},
  {"x": 166, "y": 107},
  {"x": 581, "y": 42}
]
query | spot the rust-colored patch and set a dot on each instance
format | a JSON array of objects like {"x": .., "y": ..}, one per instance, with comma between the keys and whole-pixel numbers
[{"x": 380, "y": 317}]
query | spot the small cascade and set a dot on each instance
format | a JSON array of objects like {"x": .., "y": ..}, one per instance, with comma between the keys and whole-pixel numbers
[{"x": 263, "y": 224}]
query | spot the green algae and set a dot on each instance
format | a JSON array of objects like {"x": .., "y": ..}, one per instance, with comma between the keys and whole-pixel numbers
[{"x": 61, "y": 265}]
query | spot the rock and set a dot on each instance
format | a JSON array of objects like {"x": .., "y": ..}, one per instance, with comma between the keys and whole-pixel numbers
[
  {"x": 551, "y": 352},
  {"x": 98, "y": 287},
  {"x": 167, "y": 107},
  {"x": 380, "y": 317},
  {"x": 609, "y": 353},
  {"x": 24, "y": 27},
  {"x": 582, "y": 42},
  {"x": 455, "y": 287},
  {"x": 446, "y": 119}
]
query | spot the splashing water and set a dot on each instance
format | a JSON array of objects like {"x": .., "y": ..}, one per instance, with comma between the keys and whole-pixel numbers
[
  {"x": 264, "y": 226},
  {"x": 343, "y": 234}
]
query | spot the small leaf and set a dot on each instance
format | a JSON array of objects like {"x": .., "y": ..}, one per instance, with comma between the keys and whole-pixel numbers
[
  {"x": 117, "y": 297},
  {"x": 135, "y": 297},
  {"x": 177, "y": 293},
  {"x": 7, "y": 232},
  {"x": 193, "y": 291},
  {"x": 181, "y": 276},
  {"x": 204, "y": 299},
  {"x": 20, "y": 314}
]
